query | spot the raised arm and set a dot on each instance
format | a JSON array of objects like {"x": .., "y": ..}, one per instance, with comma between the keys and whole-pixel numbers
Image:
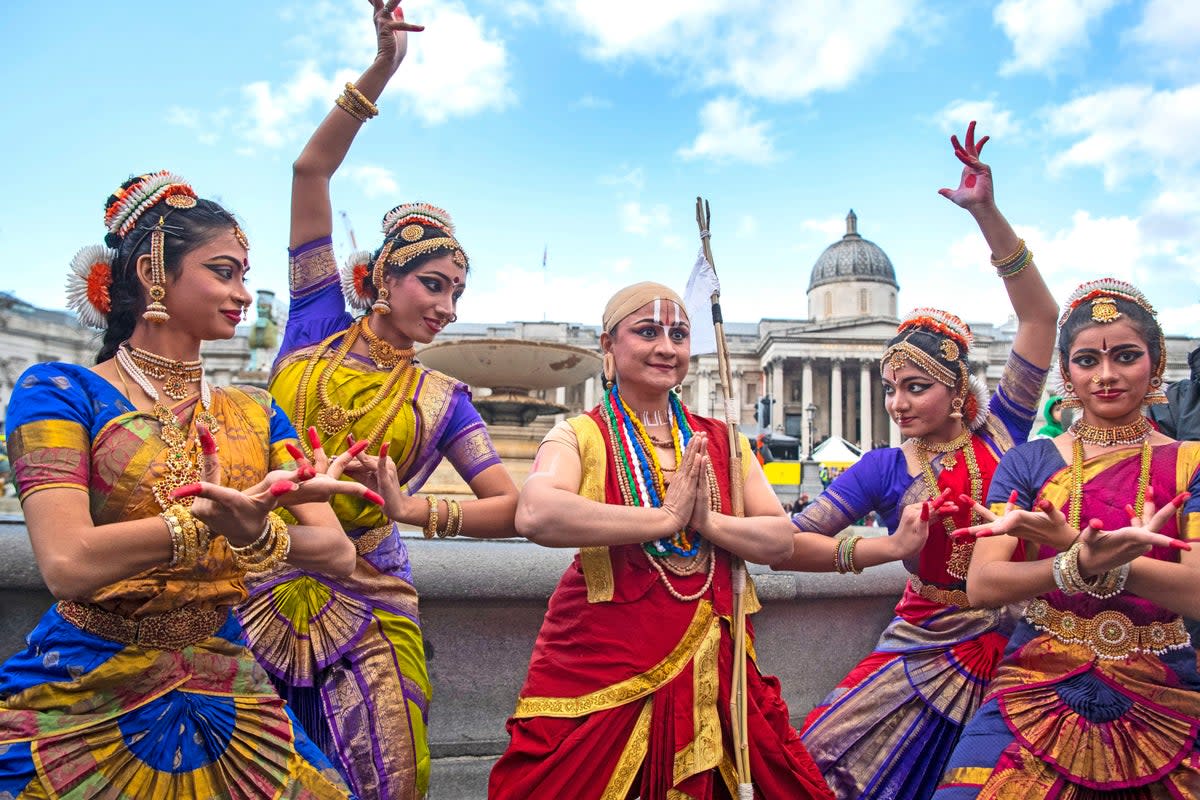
[
  {"x": 312, "y": 213},
  {"x": 1037, "y": 313}
]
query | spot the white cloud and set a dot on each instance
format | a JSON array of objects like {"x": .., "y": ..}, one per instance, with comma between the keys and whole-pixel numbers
[
  {"x": 633, "y": 177},
  {"x": 763, "y": 48},
  {"x": 829, "y": 228},
  {"x": 573, "y": 292},
  {"x": 590, "y": 102},
  {"x": 206, "y": 125},
  {"x": 1130, "y": 130},
  {"x": 729, "y": 133},
  {"x": 1169, "y": 23},
  {"x": 747, "y": 226},
  {"x": 372, "y": 180},
  {"x": 1043, "y": 32},
  {"x": 457, "y": 67},
  {"x": 641, "y": 221},
  {"x": 993, "y": 120}
]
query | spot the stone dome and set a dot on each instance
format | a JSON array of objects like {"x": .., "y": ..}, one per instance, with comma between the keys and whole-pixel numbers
[{"x": 853, "y": 258}]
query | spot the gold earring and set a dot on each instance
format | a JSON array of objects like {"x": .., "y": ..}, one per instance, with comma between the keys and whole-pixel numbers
[
  {"x": 610, "y": 370},
  {"x": 155, "y": 310},
  {"x": 1069, "y": 398},
  {"x": 381, "y": 306}
]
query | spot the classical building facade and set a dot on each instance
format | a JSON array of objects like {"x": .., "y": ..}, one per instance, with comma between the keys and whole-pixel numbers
[{"x": 820, "y": 374}]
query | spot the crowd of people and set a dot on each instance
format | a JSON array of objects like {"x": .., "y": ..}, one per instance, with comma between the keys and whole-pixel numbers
[{"x": 236, "y": 614}]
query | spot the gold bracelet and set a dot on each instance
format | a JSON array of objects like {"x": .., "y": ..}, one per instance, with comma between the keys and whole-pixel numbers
[
  {"x": 1009, "y": 259},
  {"x": 355, "y": 96},
  {"x": 190, "y": 537},
  {"x": 274, "y": 551},
  {"x": 430, "y": 529},
  {"x": 175, "y": 529},
  {"x": 850, "y": 555},
  {"x": 349, "y": 108},
  {"x": 453, "y": 520},
  {"x": 259, "y": 544}
]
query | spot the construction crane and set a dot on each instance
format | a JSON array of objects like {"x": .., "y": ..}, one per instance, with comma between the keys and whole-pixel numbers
[{"x": 349, "y": 230}]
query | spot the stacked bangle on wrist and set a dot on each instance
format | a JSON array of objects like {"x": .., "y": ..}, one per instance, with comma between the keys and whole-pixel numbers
[
  {"x": 270, "y": 549},
  {"x": 356, "y": 104},
  {"x": 453, "y": 520},
  {"x": 189, "y": 537},
  {"x": 843, "y": 555},
  {"x": 1070, "y": 580},
  {"x": 1015, "y": 262}
]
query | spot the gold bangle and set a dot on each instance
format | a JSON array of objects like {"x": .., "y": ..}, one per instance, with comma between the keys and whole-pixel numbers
[
  {"x": 430, "y": 529},
  {"x": 453, "y": 520},
  {"x": 1009, "y": 259},
  {"x": 358, "y": 98},
  {"x": 277, "y": 547},
  {"x": 190, "y": 537},
  {"x": 348, "y": 107}
]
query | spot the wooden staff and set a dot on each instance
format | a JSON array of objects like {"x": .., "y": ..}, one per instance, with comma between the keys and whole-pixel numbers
[{"x": 737, "y": 567}]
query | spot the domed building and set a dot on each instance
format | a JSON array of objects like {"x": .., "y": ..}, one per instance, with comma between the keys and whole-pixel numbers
[{"x": 852, "y": 278}]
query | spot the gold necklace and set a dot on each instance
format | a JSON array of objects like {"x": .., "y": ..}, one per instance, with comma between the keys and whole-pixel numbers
[
  {"x": 332, "y": 418},
  {"x": 175, "y": 375},
  {"x": 1139, "y": 502},
  {"x": 1135, "y": 432},
  {"x": 948, "y": 449},
  {"x": 385, "y": 354},
  {"x": 961, "y": 548}
]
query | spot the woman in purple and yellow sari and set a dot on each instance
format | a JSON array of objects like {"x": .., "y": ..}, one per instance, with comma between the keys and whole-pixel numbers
[
  {"x": 348, "y": 653},
  {"x": 888, "y": 727},
  {"x": 149, "y": 497},
  {"x": 1098, "y": 693}
]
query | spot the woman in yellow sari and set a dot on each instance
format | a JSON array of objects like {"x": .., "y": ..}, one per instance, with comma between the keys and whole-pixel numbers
[
  {"x": 149, "y": 496},
  {"x": 348, "y": 653}
]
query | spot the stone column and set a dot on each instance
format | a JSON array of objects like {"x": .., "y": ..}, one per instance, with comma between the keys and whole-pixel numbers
[
  {"x": 589, "y": 394},
  {"x": 865, "y": 411},
  {"x": 893, "y": 433},
  {"x": 777, "y": 394},
  {"x": 702, "y": 397},
  {"x": 836, "y": 400},
  {"x": 735, "y": 392},
  {"x": 806, "y": 398}
]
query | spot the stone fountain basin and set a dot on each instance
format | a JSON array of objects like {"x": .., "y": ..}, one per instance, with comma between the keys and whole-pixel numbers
[{"x": 512, "y": 365}]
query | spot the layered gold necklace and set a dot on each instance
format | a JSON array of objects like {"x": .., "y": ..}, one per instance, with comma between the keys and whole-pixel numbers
[
  {"x": 1136, "y": 432},
  {"x": 332, "y": 418},
  {"x": 960, "y": 549}
]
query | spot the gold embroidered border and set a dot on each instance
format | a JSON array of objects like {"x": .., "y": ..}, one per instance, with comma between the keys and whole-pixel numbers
[
  {"x": 705, "y": 749},
  {"x": 593, "y": 463},
  {"x": 632, "y": 757},
  {"x": 966, "y": 776},
  {"x": 630, "y": 689}
]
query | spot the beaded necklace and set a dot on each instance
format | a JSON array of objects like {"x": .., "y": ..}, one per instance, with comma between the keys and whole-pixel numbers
[
  {"x": 1135, "y": 432},
  {"x": 643, "y": 483},
  {"x": 185, "y": 458},
  {"x": 960, "y": 549},
  {"x": 385, "y": 354},
  {"x": 175, "y": 375}
]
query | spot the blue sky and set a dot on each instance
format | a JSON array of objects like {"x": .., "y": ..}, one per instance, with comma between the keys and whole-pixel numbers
[{"x": 587, "y": 128}]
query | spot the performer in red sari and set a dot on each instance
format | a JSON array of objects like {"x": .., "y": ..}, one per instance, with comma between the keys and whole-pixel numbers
[{"x": 629, "y": 683}]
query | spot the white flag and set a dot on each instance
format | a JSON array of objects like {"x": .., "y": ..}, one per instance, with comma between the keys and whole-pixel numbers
[{"x": 701, "y": 286}]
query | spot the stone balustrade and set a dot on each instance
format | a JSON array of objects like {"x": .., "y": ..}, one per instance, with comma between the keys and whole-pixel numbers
[{"x": 482, "y": 603}]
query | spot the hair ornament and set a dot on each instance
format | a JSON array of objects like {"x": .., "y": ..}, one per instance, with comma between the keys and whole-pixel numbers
[
  {"x": 128, "y": 204},
  {"x": 1101, "y": 293},
  {"x": 418, "y": 214},
  {"x": 938, "y": 321},
  {"x": 412, "y": 232},
  {"x": 88, "y": 284},
  {"x": 976, "y": 407},
  {"x": 356, "y": 275}
]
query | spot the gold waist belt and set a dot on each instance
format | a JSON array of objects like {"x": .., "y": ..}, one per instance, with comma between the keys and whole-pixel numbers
[
  {"x": 1109, "y": 634},
  {"x": 371, "y": 539},
  {"x": 947, "y": 597},
  {"x": 171, "y": 630}
]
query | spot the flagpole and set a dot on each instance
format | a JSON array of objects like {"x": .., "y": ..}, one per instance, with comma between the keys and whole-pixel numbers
[{"x": 738, "y": 703}]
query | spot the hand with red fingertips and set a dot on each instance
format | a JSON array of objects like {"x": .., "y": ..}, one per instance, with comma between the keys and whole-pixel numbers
[
  {"x": 1179, "y": 544},
  {"x": 1181, "y": 499},
  {"x": 358, "y": 447},
  {"x": 975, "y": 184},
  {"x": 925, "y": 511},
  {"x": 314, "y": 441},
  {"x": 207, "y": 443},
  {"x": 187, "y": 490},
  {"x": 295, "y": 452},
  {"x": 1012, "y": 498},
  {"x": 373, "y": 497},
  {"x": 383, "y": 450},
  {"x": 280, "y": 488}
]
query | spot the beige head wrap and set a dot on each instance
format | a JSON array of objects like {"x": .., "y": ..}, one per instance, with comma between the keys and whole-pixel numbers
[{"x": 631, "y": 298}]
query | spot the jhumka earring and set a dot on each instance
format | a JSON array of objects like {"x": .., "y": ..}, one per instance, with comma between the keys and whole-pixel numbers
[
  {"x": 381, "y": 305},
  {"x": 610, "y": 370},
  {"x": 155, "y": 310},
  {"x": 1156, "y": 395},
  {"x": 1069, "y": 398},
  {"x": 957, "y": 405}
]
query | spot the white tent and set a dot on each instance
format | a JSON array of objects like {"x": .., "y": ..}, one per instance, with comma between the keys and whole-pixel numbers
[{"x": 836, "y": 452}]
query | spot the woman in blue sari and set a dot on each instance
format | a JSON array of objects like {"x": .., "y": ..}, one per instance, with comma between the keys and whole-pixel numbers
[
  {"x": 888, "y": 727},
  {"x": 149, "y": 496}
]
